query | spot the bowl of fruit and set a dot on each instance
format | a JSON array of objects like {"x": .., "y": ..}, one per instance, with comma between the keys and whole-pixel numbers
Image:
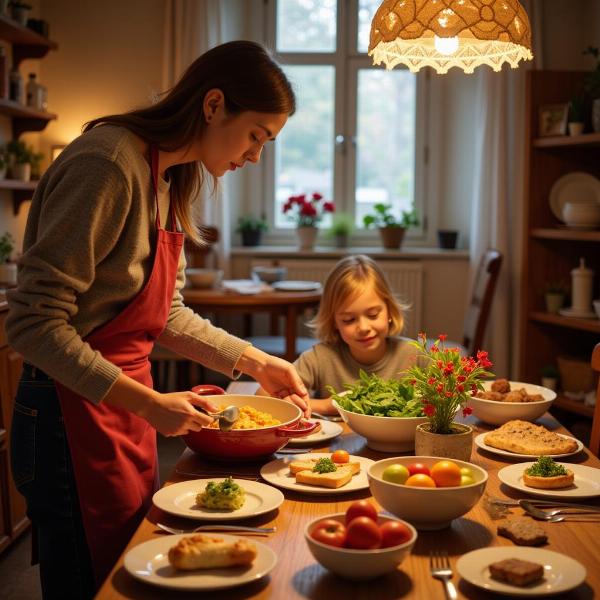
[
  {"x": 360, "y": 544},
  {"x": 427, "y": 491}
]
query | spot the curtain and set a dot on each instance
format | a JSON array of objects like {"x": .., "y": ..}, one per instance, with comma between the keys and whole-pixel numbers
[
  {"x": 496, "y": 219},
  {"x": 191, "y": 28}
]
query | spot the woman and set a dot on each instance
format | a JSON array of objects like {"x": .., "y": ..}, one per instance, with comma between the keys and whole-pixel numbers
[{"x": 100, "y": 281}]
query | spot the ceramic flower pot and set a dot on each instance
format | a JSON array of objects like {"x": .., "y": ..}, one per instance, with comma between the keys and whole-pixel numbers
[
  {"x": 449, "y": 445},
  {"x": 306, "y": 237},
  {"x": 554, "y": 302},
  {"x": 251, "y": 237},
  {"x": 391, "y": 237}
]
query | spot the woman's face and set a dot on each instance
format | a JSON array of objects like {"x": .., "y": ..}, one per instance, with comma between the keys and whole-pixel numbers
[{"x": 230, "y": 141}]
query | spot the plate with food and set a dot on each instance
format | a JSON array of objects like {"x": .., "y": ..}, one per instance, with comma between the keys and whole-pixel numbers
[
  {"x": 317, "y": 473},
  {"x": 522, "y": 439},
  {"x": 327, "y": 431},
  {"x": 219, "y": 499},
  {"x": 199, "y": 561},
  {"x": 545, "y": 477},
  {"x": 520, "y": 571}
]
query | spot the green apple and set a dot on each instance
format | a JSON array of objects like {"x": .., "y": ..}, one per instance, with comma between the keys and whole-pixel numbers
[
  {"x": 466, "y": 471},
  {"x": 466, "y": 480},
  {"x": 395, "y": 473}
]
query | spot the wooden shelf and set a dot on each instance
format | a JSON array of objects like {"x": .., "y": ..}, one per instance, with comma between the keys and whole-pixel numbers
[
  {"x": 25, "y": 118},
  {"x": 573, "y": 406},
  {"x": 26, "y": 42},
  {"x": 568, "y": 322},
  {"x": 21, "y": 191},
  {"x": 577, "y": 235},
  {"x": 585, "y": 139}
]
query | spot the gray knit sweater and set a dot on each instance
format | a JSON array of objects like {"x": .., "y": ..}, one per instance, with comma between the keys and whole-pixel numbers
[{"x": 88, "y": 251}]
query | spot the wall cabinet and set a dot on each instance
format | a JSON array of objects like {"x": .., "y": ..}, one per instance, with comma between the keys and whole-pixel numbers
[
  {"x": 12, "y": 504},
  {"x": 550, "y": 249}
]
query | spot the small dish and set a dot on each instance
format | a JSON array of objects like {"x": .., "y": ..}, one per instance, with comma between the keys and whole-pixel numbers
[
  {"x": 480, "y": 443},
  {"x": 328, "y": 431},
  {"x": 577, "y": 314},
  {"x": 180, "y": 499},
  {"x": 296, "y": 286},
  {"x": 149, "y": 563},
  {"x": 586, "y": 484},
  {"x": 561, "y": 572}
]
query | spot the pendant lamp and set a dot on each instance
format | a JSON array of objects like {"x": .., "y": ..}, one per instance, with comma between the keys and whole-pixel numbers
[{"x": 450, "y": 33}]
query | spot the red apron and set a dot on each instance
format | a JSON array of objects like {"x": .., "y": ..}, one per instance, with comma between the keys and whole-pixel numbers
[{"x": 114, "y": 451}]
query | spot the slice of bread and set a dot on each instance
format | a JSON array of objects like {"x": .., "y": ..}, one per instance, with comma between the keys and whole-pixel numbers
[
  {"x": 307, "y": 465},
  {"x": 329, "y": 480},
  {"x": 549, "y": 483},
  {"x": 523, "y": 532},
  {"x": 523, "y": 437},
  {"x": 207, "y": 552},
  {"x": 516, "y": 571}
]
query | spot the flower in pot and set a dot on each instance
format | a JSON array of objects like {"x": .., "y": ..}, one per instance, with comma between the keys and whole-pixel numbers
[
  {"x": 577, "y": 115},
  {"x": 342, "y": 225},
  {"x": 555, "y": 293},
  {"x": 444, "y": 386},
  {"x": 251, "y": 229},
  {"x": 391, "y": 228},
  {"x": 8, "y": 270},
  {"x": 306, "y": 213},
  {"x": 549, "y": 376}
]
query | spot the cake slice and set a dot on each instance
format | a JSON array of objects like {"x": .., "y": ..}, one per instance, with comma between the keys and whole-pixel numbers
[{"x": 516, "y": 571}]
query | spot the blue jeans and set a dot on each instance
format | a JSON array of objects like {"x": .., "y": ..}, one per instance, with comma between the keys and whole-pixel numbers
[{"x": 43, "y": 473}]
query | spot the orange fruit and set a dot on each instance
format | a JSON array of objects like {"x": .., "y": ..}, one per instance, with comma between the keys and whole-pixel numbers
[
  {"x": 420, "y": 480},
  {"x": 445, "y": 473}
]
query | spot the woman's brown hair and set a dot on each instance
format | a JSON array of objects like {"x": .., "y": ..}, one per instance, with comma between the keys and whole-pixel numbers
[
  {"x": 350, "y": 277},
  {"x": 249, "y": 79}
]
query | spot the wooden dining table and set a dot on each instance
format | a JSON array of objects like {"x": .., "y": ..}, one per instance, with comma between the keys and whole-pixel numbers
[{"x": 298, "y": 575}]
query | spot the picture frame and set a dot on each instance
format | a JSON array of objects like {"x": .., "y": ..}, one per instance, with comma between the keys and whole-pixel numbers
[{"x": 553, "y": 119}]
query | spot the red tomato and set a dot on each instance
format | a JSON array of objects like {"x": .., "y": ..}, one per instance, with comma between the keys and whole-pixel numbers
[
  {"x": 394, "y": 533},
  {"x": 363, "y": 534},
  {"x": 330, "y": 532},
  {"x": 361, "y": 508},
  {"x": 340, "y": 456},
  {"x": 418, "y": 467}
]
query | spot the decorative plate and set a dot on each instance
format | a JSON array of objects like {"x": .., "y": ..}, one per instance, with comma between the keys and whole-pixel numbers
[{"x": 576, "y": 186}]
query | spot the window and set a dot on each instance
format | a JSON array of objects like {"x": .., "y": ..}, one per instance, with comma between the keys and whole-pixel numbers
[{"x": 358, "y": 136}]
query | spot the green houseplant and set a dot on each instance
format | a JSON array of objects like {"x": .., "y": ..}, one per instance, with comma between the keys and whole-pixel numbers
[
  {"x": 391, "y": 228},
  {"x": 21, "y": 157},
  {"x": 549, "y": 376},
  {"x": 251, "y": 229},
  {"x": 576, "y": 115},
  {"x": 555, "y": 293},
  {"x": 342, "y": 225},
  {"x": 8, "y": 270}
]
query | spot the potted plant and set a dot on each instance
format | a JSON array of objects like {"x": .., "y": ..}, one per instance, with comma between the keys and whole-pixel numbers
[
  {"x": 3, "y": 163},
  {"x": 342, "y": 225},
  {"x": 8, "y": 270},
  {"x": 35, "y": 160},
  {"x": 549, "y": 376},
  {"x": 591, "y": 86},
  {"x": 555, "y": 293},
  {"x": 251, "y": 229},
  {"x": 20, "y": 157},
  {"x": 307, "y": 213},
  {"x": 576, "y": 121},
  {"x": 444, "y": 386},
  {"x": 391, "y": 229}
]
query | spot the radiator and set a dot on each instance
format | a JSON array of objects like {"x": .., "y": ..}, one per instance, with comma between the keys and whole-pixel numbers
[{"x": 406, "y": 279}]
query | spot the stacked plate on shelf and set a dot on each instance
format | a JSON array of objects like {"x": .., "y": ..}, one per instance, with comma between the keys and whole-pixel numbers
[{"x": 575, "y": 200}]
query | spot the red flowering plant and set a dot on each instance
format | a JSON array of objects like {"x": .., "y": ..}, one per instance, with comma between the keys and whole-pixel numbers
[
  {"x": 447, "y": 382},
  {"x": 307, "y": 212}
]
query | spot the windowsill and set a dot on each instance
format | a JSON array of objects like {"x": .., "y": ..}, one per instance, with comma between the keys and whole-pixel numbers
[{"x": 331, "y": 252}]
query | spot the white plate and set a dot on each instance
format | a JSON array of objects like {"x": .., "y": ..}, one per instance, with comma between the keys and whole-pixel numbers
[
  {"x": 328, "y": 431},
  {"x": 296, "y": 286},
  {"x": 561, "y": 572},
  {"x": 481, "y": 444},
  {"x": 585, "y": 485},
  {"x": 180, "y": 499},
  {"x": 578, "y": 314},
  {"x": 149, "y": 563},
  {"x": 573, "y": 187},
  {"x": 277, "y": 472}
]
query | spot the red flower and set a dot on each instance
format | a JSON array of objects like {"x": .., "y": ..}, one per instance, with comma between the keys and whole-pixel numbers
[
  {"x": 430, "y": 381},
  {"x": 308, "y": 210},
  {"x": 433, "y": 349},
  {"x": 329, "y": 207},
  {"x": 442, "y": 337},
  {"x": 429, "y": 410},
  {"x": 317, "y": 196},
  {"x": 467, "y": 410}
]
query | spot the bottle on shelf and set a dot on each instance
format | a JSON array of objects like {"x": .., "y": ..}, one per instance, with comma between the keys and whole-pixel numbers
[
  {"x": 34, "y": 93},
  {"x": 17, "y": 88}
]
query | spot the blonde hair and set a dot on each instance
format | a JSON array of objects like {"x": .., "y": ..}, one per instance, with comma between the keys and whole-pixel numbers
[{"x": 350, "y": 277}]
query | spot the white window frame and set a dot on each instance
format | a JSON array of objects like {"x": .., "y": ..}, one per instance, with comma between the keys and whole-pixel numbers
[{"x": 344, "y": 180}]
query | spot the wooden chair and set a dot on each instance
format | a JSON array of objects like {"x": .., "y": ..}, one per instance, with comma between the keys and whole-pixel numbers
[{"x": 595, "y": 435}]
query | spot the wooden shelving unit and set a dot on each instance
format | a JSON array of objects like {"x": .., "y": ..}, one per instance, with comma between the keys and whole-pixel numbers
[{"x": 550, "y": 249}]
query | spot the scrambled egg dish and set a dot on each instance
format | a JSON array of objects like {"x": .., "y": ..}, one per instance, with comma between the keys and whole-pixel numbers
[
  {"x": 250, "y": 418},
  {"x": 226, "y": 495}
]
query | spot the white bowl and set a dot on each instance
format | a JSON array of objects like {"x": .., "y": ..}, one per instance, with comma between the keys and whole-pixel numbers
[
  {"x": 269, "y": 274},
  {"x": 203, "y": 278},
  {"x": 426, "y": 508},
  {"x": 358, "y": 564},
  {"x": 498, "y": 413},
  {"x": 385, "y": 434},
  {"x": 582, "y": 214}
]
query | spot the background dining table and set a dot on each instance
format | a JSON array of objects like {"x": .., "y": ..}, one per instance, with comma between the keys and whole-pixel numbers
[{"x": 298, "y": 575}]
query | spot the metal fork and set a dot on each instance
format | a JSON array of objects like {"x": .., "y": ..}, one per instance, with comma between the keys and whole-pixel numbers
[
  {"x": 232, "y": 528},
  {"x": 439, "y": 565}
]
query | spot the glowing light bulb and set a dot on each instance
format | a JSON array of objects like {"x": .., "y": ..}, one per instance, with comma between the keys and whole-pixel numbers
[{"x": 446, "y": 46}]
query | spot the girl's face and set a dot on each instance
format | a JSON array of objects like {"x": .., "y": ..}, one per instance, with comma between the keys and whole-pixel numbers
[
  {"x": 231, "y": 141},
  {"x": 363, "y": 323}
]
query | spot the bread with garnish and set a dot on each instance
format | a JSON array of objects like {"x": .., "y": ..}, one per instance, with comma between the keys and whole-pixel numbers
[
  {"x": 334, "y": 480},
  {"x": 545, "y": 474},
  {"x": 308, "y": 465}
]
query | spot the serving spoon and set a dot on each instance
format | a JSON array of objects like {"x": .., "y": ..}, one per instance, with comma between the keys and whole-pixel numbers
[
  {"x": 226, "y": 417},
  {"x": 557, "y": 514}
]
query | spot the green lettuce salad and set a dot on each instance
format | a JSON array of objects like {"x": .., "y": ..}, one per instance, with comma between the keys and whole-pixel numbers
[{"x": 372, "y": 395}]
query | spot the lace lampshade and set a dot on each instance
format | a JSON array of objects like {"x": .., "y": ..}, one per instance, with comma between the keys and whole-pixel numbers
[{"x": 450, "y": 33}]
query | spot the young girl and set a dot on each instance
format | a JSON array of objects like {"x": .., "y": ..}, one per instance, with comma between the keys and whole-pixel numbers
[
  {"x": 357, "y": 322},
  {"x": 100, "y": 281}
]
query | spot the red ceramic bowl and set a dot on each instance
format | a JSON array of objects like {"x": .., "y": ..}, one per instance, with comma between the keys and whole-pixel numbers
[{"x": 247, "y": 444}]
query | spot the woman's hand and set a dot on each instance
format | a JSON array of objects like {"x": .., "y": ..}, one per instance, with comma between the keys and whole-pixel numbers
[
  {"x": 170, "y": 414},
  {"x": 276, "y": 376}
]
